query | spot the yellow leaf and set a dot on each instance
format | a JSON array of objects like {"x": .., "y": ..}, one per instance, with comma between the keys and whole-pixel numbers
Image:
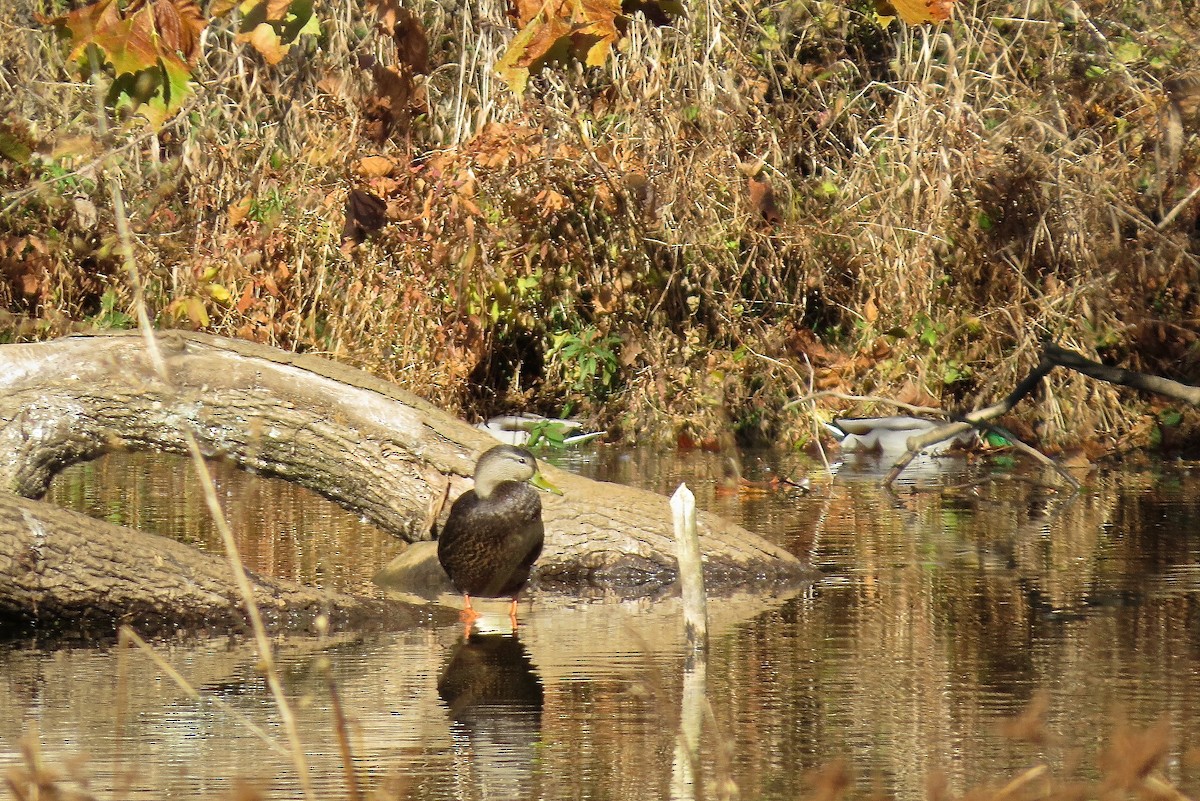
[
  {"x": 917, "y": 11},
  {"x": 508, "y": 67},
  {"x": 196, "y": 311},
  {"x": 239, "y": 210},
  {"x": 219, "y": 293},
  {"x": 544, "y": 39},
  {"x": 599, "y": 18},
  {"x": 265, "y": 40}
]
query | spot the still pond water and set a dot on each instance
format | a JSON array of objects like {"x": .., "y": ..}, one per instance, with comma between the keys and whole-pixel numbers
[{"x": 940, "y": 614}]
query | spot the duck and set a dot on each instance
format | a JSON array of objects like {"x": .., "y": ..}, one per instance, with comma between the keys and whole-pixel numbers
[
  {"x": 520, "y": 429},
  {"x": 494, "y": 532},
  {"x": 888, "y": 436}
]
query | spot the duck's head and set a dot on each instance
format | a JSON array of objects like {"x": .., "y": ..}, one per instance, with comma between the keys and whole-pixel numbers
[{"x": 508, "y": 463}]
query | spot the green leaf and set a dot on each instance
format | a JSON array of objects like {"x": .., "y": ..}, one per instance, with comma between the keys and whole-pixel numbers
[
  {"x": 13, "y": 148},
  {"x": 1128, "y": 52},
  {"x": 301, "y": 21},
  {"x": 996, "y": 440},
  {"x": 1170, "y": 418}
]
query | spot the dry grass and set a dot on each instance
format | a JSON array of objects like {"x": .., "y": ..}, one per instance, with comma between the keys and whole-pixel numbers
[{"x": 754, "y": 202}]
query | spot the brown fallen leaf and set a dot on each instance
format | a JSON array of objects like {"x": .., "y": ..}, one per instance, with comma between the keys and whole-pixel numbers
[
  {"x": 374, "y": 166},
  {"x": 364, "y": 213},
  {"x": 762, "y": 197}
]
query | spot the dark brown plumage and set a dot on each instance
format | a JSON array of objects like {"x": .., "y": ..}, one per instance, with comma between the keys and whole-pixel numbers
[{"x": 494, "y": 533}]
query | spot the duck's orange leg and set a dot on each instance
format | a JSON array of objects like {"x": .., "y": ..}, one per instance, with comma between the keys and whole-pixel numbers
[
  {"x": 468, "y": 615},
  {"x": 512, "y": 613}
]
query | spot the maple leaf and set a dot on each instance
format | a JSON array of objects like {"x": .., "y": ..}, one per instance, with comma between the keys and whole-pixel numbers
[
  {"x": 150, "y": 46},
  {"x": 525, "y": 10},
  {"x": 130, "y": 45},
  {"x": 180, "y": 24},
  {"x": 599, "y": 18},
  {"x": 554, "y": 30},
  {"x": 542, "y": 40}
]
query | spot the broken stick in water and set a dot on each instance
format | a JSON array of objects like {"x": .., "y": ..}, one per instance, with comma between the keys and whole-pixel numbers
[{"x": 691, "y": 573}]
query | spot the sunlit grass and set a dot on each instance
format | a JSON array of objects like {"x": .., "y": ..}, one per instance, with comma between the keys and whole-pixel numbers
[{"x": 940, "y": 199}]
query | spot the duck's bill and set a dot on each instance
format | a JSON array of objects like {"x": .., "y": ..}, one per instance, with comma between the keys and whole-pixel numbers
[{"x": 541, "y": 483}]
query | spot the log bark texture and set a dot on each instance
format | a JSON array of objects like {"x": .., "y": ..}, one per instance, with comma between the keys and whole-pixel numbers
[
  {"x": 66, "y": 573},
  {"x": 358, "y": 440}
]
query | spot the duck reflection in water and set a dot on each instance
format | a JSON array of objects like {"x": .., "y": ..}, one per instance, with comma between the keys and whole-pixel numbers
[{"x": 495, "y": 701}]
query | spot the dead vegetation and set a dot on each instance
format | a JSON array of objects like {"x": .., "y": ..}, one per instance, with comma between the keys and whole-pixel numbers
[{"x": 754, "y": 203}]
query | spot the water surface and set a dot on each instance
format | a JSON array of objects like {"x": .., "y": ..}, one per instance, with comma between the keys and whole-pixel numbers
[{"x": 942, "y": 612}]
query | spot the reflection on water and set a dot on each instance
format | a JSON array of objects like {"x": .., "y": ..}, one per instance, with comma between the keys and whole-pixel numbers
[
  {"x": 282, "y": 529},
  {"x": 940, "y": 615},
  {"x": 495, "y": 701}
]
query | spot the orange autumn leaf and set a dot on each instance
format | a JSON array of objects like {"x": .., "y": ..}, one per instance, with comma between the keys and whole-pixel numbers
[
  {"x": 180, "y": 24},
  {"x": 526, "y": 10},
  {"x": 762, "y": 197},
  {"x": 151, "y": 46},
  {"x": 599, "y": 18},
  {"x": 915, "y": 12},
  {"x": 533, "y": 46},
  {"x": 374, "y": 166},
  {"x": 272, "y": 26},
  {"x": 556, "y": 30},
  {"x": 240, "y": 210},
  {"x": 263, "y": 38}
]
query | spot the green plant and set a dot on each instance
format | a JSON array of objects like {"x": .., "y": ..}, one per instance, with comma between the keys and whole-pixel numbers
[
  {"x": 587, "y": 359},
  {"x": 549, "y": 434},
  {"x": 109, "y": 316}
]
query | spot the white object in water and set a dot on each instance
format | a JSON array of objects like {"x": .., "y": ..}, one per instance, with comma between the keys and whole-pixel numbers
[
  {"x": 515, "y": 429},
  {"x": 889, "y": 435}
]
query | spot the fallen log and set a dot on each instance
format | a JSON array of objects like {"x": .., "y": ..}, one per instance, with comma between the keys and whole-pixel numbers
[
  {"x": 66, "y": 573},
  {"x": 358, "y": 440}
]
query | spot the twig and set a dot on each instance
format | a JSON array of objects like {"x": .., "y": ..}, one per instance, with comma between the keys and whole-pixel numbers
[
  {"x": 1052, "y": 356},
  {"x": 1036, "y": 772},
  {"x": 343, "y": 733},
  {"x": 1174, "y": 212},
  {"x": 829, "y": 393},
  {"x": 265, "y": 652},
  {"x": 1118, "y": 375},
  {"x": 974, "y": 419},
  {"x": 1037, "y": 455},
  {"x": 128, "y": 635}
]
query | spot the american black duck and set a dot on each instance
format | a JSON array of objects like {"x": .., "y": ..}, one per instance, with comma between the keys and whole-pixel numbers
[{"x": 494, "y": 533}]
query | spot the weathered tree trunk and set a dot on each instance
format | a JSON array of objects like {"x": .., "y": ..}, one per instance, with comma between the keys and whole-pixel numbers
[
  {"x": 355, "y": 439},
  {"x": 64, "y": 571}
]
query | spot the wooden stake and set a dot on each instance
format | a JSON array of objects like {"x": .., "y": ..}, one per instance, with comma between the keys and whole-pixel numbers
[{"x": 691, "y": 571}]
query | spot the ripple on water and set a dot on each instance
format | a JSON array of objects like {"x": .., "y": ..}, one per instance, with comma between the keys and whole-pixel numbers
[{"x": 942, "y": 613}]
